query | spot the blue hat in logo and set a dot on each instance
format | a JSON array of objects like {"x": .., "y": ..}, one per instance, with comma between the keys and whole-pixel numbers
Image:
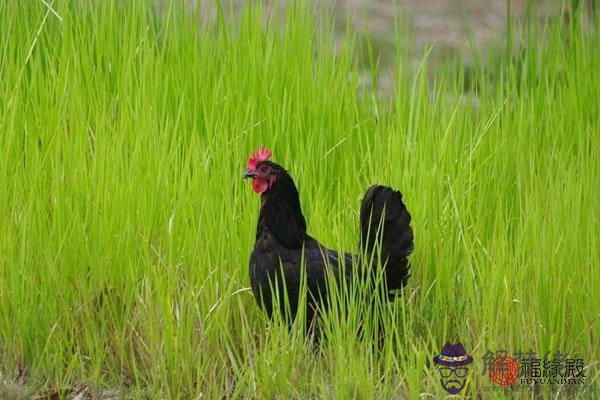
[{"x": 453, "y": 355}]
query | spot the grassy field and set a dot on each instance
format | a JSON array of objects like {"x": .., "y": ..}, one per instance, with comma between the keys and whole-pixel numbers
[{"x": 125, "y": 229}]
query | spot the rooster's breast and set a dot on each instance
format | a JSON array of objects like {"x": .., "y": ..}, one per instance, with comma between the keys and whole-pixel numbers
[{"x": 274, "y": 271}]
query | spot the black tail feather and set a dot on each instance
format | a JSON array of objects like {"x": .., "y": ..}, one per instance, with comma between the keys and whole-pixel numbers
[{"x": 385, "y": 223}]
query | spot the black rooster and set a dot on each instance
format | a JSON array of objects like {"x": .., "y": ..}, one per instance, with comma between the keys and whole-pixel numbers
[{"x": 283, "y": 247}]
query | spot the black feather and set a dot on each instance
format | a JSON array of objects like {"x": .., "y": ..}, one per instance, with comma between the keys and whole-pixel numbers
[
  {"x": 385, "y": 220},
  {"x": 283, "y": 247}
]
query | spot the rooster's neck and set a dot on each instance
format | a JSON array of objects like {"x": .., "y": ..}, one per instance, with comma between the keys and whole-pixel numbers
[{"x": 280, "y": 212}]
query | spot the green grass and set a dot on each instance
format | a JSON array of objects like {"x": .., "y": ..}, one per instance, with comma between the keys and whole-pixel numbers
[{"x": 125, "y": 229}]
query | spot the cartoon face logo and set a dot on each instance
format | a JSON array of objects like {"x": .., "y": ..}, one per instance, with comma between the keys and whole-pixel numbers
[{"x": 452, "y": 362}]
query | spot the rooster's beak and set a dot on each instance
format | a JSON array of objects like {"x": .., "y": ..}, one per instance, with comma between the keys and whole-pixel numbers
[{"x": 247, "y": 174}]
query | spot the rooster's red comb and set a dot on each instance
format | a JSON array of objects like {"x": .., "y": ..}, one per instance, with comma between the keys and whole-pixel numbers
[{"x": 259, "y": 156}]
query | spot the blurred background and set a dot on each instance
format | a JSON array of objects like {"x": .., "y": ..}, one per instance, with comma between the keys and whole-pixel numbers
[{"x": 449, "y": 32}]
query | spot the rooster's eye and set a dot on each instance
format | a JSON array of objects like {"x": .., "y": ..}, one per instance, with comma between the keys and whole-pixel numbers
[{"x": 264, "y": 169}]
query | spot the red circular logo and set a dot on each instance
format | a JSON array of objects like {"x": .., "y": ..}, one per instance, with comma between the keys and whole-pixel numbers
[{"x": 504, "y": 371}]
